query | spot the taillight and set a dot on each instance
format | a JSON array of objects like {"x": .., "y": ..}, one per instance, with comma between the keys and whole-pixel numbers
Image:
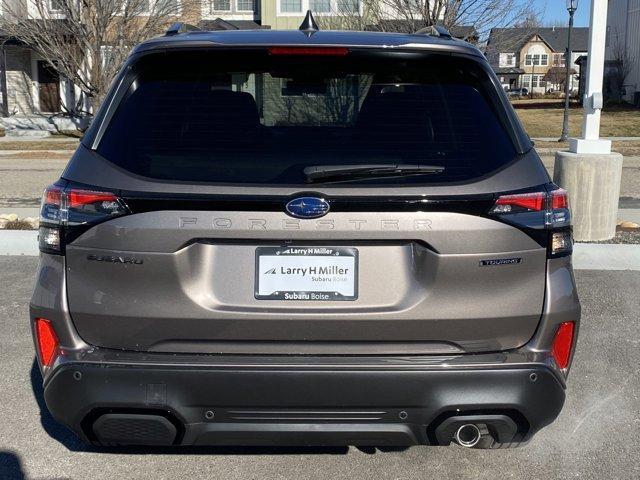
[
  {"x": 562, "y": 344},
  {"x": 543, "y": 211},
  {"x": 47, "y": 341},
  {"x": 559, "y": 199},
  {"x": 66, "y": 210},
  {"x": 523, "y": 202}
]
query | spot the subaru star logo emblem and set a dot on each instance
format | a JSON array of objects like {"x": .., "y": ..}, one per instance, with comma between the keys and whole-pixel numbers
[{"x": 307, "y": 207}]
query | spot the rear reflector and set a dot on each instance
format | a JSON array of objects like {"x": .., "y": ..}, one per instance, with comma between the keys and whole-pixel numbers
[
  {"x": 47, "y": 341},
  {"x": 562, "y": 343},
  {"x": 327, "y": 51}
]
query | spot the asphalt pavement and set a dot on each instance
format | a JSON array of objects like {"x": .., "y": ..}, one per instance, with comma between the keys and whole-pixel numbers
[{"x": 596, "y": 437}]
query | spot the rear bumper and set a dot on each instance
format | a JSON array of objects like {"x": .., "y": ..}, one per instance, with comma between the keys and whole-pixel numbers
[
  {"x": 156, "y": 398},
  {"x": 138, "y": 399}
]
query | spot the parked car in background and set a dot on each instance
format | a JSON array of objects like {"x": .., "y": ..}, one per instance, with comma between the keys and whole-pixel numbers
[
  {"x": 518, "y": 92},
  {"x": 305, "y": 238}
]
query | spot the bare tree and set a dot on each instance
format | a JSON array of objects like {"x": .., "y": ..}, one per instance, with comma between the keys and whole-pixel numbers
[
  {"x": 557, "y": 76},
  {"x": 621, "y": 65},
  {"x": 408, "y": 16},
  {"x": 86, "y": 41},
  {"x": 530, "y": 20}
]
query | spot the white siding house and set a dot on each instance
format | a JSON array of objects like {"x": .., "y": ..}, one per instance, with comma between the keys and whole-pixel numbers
[
  {"x": 623, "y": 35},
  {"x": 29, "y": 87}
]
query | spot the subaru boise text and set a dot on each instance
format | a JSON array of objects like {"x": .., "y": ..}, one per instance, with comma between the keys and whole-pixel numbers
[{"x": 305, "y": 238}]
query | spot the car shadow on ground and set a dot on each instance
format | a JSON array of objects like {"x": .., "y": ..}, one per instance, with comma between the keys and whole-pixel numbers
[{"x": 67, "y": 438}]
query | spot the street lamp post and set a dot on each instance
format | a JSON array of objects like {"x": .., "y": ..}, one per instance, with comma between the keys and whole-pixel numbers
[{"x": 572, "y": 6}]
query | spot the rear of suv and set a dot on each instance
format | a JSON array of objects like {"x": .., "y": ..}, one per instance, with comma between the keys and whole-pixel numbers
[{"x": 317, "y": 238}]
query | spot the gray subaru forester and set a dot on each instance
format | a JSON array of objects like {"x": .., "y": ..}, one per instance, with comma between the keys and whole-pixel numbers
[{"x": 305, "y": 238}]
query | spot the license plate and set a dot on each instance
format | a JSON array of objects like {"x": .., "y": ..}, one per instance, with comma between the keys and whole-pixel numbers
[{"x": 306, "y": 273}]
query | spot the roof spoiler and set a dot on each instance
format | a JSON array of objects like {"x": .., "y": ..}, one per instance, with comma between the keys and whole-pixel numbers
[
  {"x": 434, "y": 31},
  {"x": 180, "y": 27}
]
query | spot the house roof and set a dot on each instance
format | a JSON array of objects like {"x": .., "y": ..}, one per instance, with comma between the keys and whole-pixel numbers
[
  {"x": 513, "y": 39},
  {"x": 464, "y": 31},
  {"x": 220, "y": 24},
  {"x": 509, "y": 71}
]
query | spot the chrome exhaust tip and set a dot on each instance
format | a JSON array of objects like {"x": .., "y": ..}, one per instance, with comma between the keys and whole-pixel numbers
[{"x": 468, "y": 435}]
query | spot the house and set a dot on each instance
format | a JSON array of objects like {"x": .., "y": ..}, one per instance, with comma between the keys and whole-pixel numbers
[
  {"x": 33, "y": 94},
  {"x": 28, "y": 83},
  {"x": 231, "y": 15},
  {"x": 534, "y": 58},
  {"x": 622, "y": 51}
]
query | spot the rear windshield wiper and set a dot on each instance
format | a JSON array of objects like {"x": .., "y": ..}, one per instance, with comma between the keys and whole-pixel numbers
[{"x": 338, "y": 173}]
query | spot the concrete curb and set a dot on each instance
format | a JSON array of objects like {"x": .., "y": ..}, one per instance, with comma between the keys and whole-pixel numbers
[
  {"x": 586, "y": 256},
  {"x": 599, "y": 256},
  {"x": 19, "y": 242}
]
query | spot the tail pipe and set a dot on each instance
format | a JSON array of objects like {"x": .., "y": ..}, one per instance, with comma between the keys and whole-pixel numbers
[
  {"x": 468, "y": 435},
  {"x": 479, "y": 431}
]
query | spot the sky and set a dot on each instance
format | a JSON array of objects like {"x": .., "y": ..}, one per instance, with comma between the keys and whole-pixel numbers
[{"x": 557, "y": 10}]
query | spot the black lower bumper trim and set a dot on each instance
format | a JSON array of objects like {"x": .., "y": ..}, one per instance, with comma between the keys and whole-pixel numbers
[{"x": 245, "y": 406}]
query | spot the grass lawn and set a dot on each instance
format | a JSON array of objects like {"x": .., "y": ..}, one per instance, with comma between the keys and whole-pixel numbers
[{"x": 547, "y": 122}]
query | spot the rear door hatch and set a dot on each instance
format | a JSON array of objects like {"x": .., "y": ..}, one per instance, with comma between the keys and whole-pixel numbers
[{"x": 214, "y": 253}]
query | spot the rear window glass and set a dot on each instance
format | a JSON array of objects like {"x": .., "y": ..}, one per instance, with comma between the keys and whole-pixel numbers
[{"x": 250, "y": 117}]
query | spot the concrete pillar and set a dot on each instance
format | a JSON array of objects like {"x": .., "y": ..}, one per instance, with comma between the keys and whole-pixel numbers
[
  {"x": 589, "y": 171},
  {"x": 593, "y": 183}
]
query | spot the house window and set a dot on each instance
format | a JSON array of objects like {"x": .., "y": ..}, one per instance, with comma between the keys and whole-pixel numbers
[
  {"x": 526, "y": 81},
  {"x": 558, "y": 60},
  {"x": 221, "y": 5},
  {"x": 168, "y": 7},
  {"x": 56, "y": 5},
  {"x": 536, "y": 81},
  {"x": 244, "y": 5},
  {"x": 320, "y": 6},
  {"x": 348, "y": 6},
  {"x": 291, "y": 6},
  {"x": 536, "y": 59},
  {"x": 507, "y": 59}
]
